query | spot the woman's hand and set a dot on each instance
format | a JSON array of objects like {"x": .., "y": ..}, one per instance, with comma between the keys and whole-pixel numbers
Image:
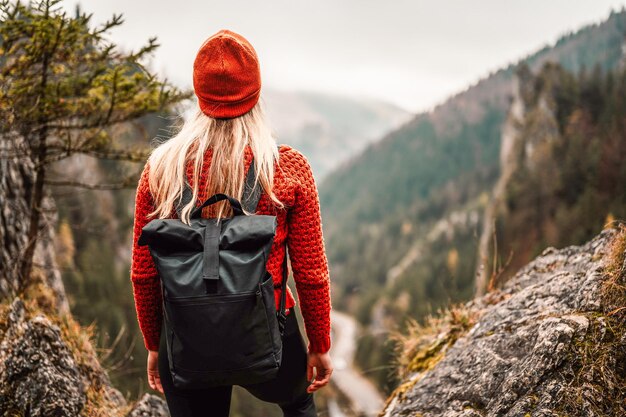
[
  {"x": 323, "y": 366},
  {"x": 154, "y": 379}
]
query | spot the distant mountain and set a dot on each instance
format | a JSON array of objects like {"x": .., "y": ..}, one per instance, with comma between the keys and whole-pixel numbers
[
  {"x": 403, "y": 219},
  {"x": 329, "y": 129}
]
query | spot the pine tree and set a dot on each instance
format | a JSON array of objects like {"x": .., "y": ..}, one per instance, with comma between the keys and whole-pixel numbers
[{"x": 63, "y": 87}]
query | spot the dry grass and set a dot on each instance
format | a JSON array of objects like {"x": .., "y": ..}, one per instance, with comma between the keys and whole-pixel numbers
[
  {"x": 598, "y": 375},
  {"x": 614, "y": 288},
  {"x": 422, "y": 346}
]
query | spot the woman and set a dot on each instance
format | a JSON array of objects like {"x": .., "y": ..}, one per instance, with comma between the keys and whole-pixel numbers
[{"x": 214, "y": 149}]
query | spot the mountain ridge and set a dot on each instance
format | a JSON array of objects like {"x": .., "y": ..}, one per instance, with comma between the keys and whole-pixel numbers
[
  {"x": 455, "y": 132},
  {"x": 381, "y": 205}
]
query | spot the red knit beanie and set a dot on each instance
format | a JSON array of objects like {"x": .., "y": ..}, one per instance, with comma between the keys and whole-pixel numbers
[{"x": 226, "y": 75}]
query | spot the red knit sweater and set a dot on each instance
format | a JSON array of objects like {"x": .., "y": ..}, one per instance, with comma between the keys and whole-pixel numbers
[{"x": 300, "y": 225}]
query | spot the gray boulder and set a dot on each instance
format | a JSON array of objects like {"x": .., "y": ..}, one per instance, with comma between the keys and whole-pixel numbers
[
  {"x": 150, "y": 406},
  {"x": 38, "y": 374},
  {"x": 41, "y": 376}
]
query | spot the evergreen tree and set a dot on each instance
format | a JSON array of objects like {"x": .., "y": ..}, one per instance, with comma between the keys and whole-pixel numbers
[{"x": 63, "y": 87}]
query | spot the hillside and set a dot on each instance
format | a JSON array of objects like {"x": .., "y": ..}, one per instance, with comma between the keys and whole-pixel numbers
[{"x": 404, "y": 218}]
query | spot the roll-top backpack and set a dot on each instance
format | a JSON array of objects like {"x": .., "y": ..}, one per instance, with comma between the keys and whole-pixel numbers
[{"x": 220, "y": 317}]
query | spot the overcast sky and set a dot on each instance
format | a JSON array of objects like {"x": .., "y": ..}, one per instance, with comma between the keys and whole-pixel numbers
[{"x": 409, "y": 52}]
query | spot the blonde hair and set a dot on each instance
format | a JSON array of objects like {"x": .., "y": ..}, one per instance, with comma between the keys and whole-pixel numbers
[{"x": 227, "y": 138}]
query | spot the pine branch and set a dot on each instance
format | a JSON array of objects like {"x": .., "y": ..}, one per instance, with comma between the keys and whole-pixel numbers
[
  {"x": 58, "y": 36},
  {"x": 144, "y": 50},
  {"x": 116, "y": 20}
]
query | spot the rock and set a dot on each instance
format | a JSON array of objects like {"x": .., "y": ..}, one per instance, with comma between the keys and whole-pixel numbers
[
  {"x": 38, "y": 374},
  {"x": 16, "y": 182},
  {"x": 525, "y": 356},
  {"x": 150, "y": 406}
]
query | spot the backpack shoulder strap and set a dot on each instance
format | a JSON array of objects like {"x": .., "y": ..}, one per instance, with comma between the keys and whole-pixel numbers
[
  {"x": 185, "y": 198},
  {"x": 251, "y": 193}
]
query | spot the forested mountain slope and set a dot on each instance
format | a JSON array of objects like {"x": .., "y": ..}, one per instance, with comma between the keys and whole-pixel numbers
[
  {"x": 403, "y": 220},
  {"x": 396, "y": 191}
]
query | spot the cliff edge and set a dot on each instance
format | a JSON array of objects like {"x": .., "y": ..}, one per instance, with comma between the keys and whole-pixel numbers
[{"x": 550, "y": 342}]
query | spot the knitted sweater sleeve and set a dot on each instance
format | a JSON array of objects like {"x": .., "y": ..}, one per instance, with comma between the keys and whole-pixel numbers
[
  {"x": 308, "y": 256},
  {"x": 144, "y": 276}
]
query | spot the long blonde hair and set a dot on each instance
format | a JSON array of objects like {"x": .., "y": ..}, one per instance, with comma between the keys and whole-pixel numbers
[{"x": 227, "y": 138}]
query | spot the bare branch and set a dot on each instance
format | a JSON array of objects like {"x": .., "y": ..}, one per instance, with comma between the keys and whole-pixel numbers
[
  {"x": 118, "y": 155},
  {"x": 112, "y": 155},
  {"x": 99, "y": 123},
  {"x": 127, "y": 183}
]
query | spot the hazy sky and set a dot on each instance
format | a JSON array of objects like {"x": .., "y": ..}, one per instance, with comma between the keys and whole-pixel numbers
[{"x": 409, "y": 52}]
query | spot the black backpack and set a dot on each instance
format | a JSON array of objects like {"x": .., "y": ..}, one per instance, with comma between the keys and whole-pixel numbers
[{"x": 221, "y": 322}]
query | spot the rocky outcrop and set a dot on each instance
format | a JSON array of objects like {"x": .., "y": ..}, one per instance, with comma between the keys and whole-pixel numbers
[
  {"x": 509, "y": 140},
  {"x": 16, "y": 182},
  {"x": 39, "y": 374},
  {"x": 551, "y": 342},
  {"x": 42, "y": 373},
  {"x": 48, "y": 366}
]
